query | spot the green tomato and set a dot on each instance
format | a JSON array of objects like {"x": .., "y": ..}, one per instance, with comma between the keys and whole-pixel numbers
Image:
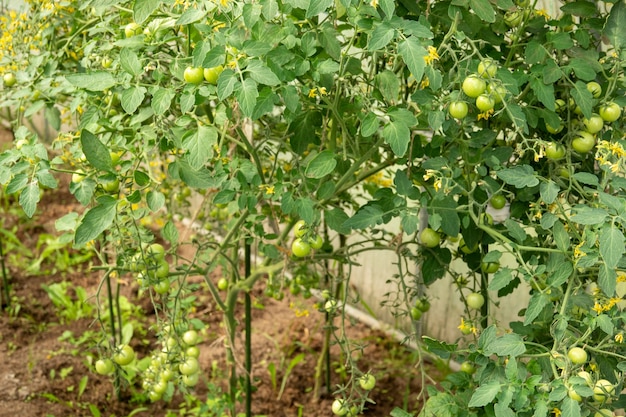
[
  {"x": 110, "y": 184},
  {"x": 367, "y": 382},
  {"x": 554, "y": 130},
  {"x": 124, "y": 355},
  {"x": 422, "y": 304},
  {"x": 222, "y": 284},
  {"x": 513, "y": 18},
  {"x": 487, "y": 68},
  {"x": 485, "y": 102},
  {"x": 78, "y": 176},
  {"x": 560, "y": 105},
  {"x": 339, "y": 407},
  {"x": 191, "y": 380},
  {"x": 497, "y": 201},
  {"x": 104, "y": 366},
  {"x": 458, "y": 109},
  {"x": 162, "y": 287},
  {"x": 610, "y": 112},
  {"x": 497, "y": 91},
  {"x": 594, "y": 88},
  {"x": 192, "y": 352},
  {"x": 594, "y": 124},
  {"x": 316, "y": 242},
  {"x": 160, "y": 270},
  {"x": 212, "y": 74},
  {"x": 300, "y": 248},
  {"x": 603, "y": 390},
  {"x": 577, "y": 355},
  {"x": 189, "y": 366},
  {"x": 555, "y": 151},
  {"x": 465, "y": 248},
  {"x": 193, "y": 75},
  {"x": 574, "y": 395},
  {"x": 473, "y": 86},
  {"x": 468, "y": 367},
  {"x": 300, "y": 228},
  {"x": 489, "y": 267},
  {"x": 191, "y": 338},
  {"x": 605, "y": 412},
  {"x": 154, "y": 396},
  {"x": 156, "y": 252},
  {"x": 583, "y": 142},
  {"x": 9, "y": 79},
  {"x": 475, "y": 300},
  {"x": 106, "y": 62},
  {"x": 430, "y": 238},
  {"x": 416, "y": 313},
  {"x": 132, "y": 29}
]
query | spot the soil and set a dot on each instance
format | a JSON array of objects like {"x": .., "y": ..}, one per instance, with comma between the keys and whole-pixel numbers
[{"x": 44, "y": 362}]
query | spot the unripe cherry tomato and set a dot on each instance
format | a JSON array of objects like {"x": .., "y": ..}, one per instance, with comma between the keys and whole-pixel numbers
[
  {"x": 429, "y": 238},
  {"x": 300, "y": 248},
  {"x": 193, "y": 75},
  {"x": 458, "y": 109},
  {"x": 475, "y": 300},
  {"x": 473, "y": 86}
]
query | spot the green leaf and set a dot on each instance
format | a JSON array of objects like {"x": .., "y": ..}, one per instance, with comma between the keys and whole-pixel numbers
[
  {"x": 484, "y": 394},
  {"x": 437, "y": 347},
  {"x": 132, "y": 98},
  {"x": 388, "y": 7},
  {"x": 581, "y": 8},
  {"x": 413, "y": 54},
  {"x": 155, "y": 200},
  {"x": 560, "y": 40},
  {"x": 483, "y": 10},
  {"x": 583, "y": 98},
  {"x": 551, "y": 72},
  {"x": 561, "y": 273},
  {"x": 170, "y": 232},
  {"x": 96, "y": 152},
  {"x": 191, "y": 15},
  {"x": 143, "y": 9},
  {"x": 93, "y": 81},
  {"x": 537, "y": 303},
  {"x": 549, "y": 191},
  {"x": 607, "y": 280},
  {"x": 501, "y": 279},
  {"x": 409, "y": 223},
  {"x": 226, "y": 84},
  {"x": 381, "y": 36},
  {"x": 586, "y": 178},
  {"x": 304, "y": 130},
  {"x": 545, "y": 93},
  {"x": 398, "y": 136},
  {"x": 398, "y": 412},
  {"x": 366, "y": 216},
  {"x": 199, "y": 146},
  {"x": 317, "y": 6},
  {"x": 517, "y": 116},
  {"x": 335, "y": 219},
  {"x": 200, "y": 178},
  {"x": 582, "y": 69},
  {"x": 570, "y": 408},
  {"x": 161, "y": 99},
  {"x": 321, "y": 165},
  {"x": 265, "y": 103},
  {"x": 130, "y": 62},
  {"x": 441, "y": 404},
  {"x": 611, "y": 245},
  {"x": 446, "y": 208},
  {"x": 261, "y": 73},
  {"x": 369, "y": 125},
  {"x": 510, "y": 344},
  {"x": 520, "y": 176},
  {"x": 29, "y": 197},
  {"x": 247, "y": 96},
  {"x": 615, "y": 24},
  {"x": 561, "y": 237},
  {"x": 214, "y": 57},
  {"x": 589, "y": 215},
  {"x": 388, "y": 84},
  {"x": 96, "y": 220}
]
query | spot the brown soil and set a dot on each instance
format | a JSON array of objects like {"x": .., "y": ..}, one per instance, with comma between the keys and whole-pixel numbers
[{"x": 42, "y": 363}]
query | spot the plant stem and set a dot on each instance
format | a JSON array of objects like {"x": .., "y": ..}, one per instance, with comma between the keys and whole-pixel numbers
[
  {"x": 248, "y": 325},
  {"x": 5, "y": 280}
]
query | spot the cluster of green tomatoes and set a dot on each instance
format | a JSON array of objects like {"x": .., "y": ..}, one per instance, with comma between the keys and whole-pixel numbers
[
  {"x": 341, "y": 407},
  {"x": 306, "y": 239},
  {"x": 583, "y": 130},
  {"x": 482, "y": 87},
  {"x": 153, "y": 270}
]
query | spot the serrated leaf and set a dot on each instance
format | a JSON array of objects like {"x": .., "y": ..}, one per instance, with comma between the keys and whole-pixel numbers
[
  {"x": 381, "y": 36},
  {"x": 162, "y": 99},
  {"x": 130, "y": 62},
  {"x": 366, "y": 216},
  {"x": 143, "y": 9},
  {"x": 570, "y": 408},
  {"x": 317, "y": 6},
  {"x": 303, "y": 130},
  {"x": 549, "y": 191},
  {"x": 607, "y": 280},
  {"x": 200, "y": 178},
  {"x": 191, "y": 15},
  {"x": 537, "y": 303},
  {"x": 261, "y": 73},
  {"x": 155, "y": 200},
  {"x": 413, "y": 54},
  {"x": 226, "y": 84},
  {"x": 442, "y": 349},
  {"x": 96, "y": 220},
  {"x": 321, "y": 165},
  {"x": 29, "y": 197},
  {"x": 517, "y": 116},
  {"x": 501, "y": 279},
  {"x": 199, "y": 146},
  {"x": 170, "y": 233},
  {"x": 545, "y": 93},
  {"x": 335, "y": 219},
  {"x": 483, "y": 10},
  {"x": 96, "y": 152},
  {"x": 484, "y": 394},
  {"x": 615, "y": 24},
  {"x": 520, "y": 176},
  {"x": 398, "y": 136},
  {"x": 388, "y": 84},
  {"x": 445, "y": 207},
  {"x": 589, "y": 215},
  {"x": 93, "y": 81},
  {"x": 369, "y": 125},
  {"x": 214, "y": 57},
  {"x": 510, "y": 344},
  {"x": 247, "y": 95},
  {"x": 611, "y": 245},
  {"x": 132, "y": 98},
  {"x": 586, "y": 178},
  {"x": 398, "y": 412},
  {"x": 561, "y": 274},
  {"x": 561, "y": 237},
  {"x": 388, "y": 7},
  {"x": 583, "y": 98}
]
